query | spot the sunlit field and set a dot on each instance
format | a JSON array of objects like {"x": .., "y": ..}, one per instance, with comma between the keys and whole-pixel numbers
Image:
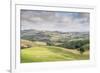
[{"x": 50, "y": 53}]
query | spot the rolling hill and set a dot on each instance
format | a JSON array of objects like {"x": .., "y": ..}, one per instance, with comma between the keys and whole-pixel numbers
[
  {"x": 45, "y": 46},
  {"x": 50, "y": 53}
]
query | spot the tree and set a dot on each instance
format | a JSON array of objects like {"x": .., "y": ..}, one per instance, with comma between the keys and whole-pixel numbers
[
  {"x": 81, "y": 50},
  {"x": 80, "y": 44},
  {"x": 49, "y": 43},
  {"x": 86, "y": 46}
]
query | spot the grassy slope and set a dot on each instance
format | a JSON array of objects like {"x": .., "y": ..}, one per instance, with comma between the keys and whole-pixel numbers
[{"x": 49, "y": 53}]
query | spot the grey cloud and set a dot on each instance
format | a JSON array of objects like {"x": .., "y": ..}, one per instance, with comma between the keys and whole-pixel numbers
[{"x": 54, "y": 21}]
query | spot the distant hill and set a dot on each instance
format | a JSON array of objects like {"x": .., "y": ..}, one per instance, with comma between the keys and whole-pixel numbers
[{"x": 53, "y": 36}]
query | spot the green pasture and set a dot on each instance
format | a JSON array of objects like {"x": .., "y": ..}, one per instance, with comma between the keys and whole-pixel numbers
[{"x": 50, "y": 53}]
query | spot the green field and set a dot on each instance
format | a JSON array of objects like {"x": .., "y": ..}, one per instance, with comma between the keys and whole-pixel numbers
[{"x": 50, "y": 53}]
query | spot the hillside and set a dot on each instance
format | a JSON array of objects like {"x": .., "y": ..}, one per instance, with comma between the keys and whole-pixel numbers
[
  {"x": 44, "y": 46},
  {"x": 50, "y": 53}
]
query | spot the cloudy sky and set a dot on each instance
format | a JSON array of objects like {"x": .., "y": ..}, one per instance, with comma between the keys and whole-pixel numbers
[{"x": 55, "y": 21}]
